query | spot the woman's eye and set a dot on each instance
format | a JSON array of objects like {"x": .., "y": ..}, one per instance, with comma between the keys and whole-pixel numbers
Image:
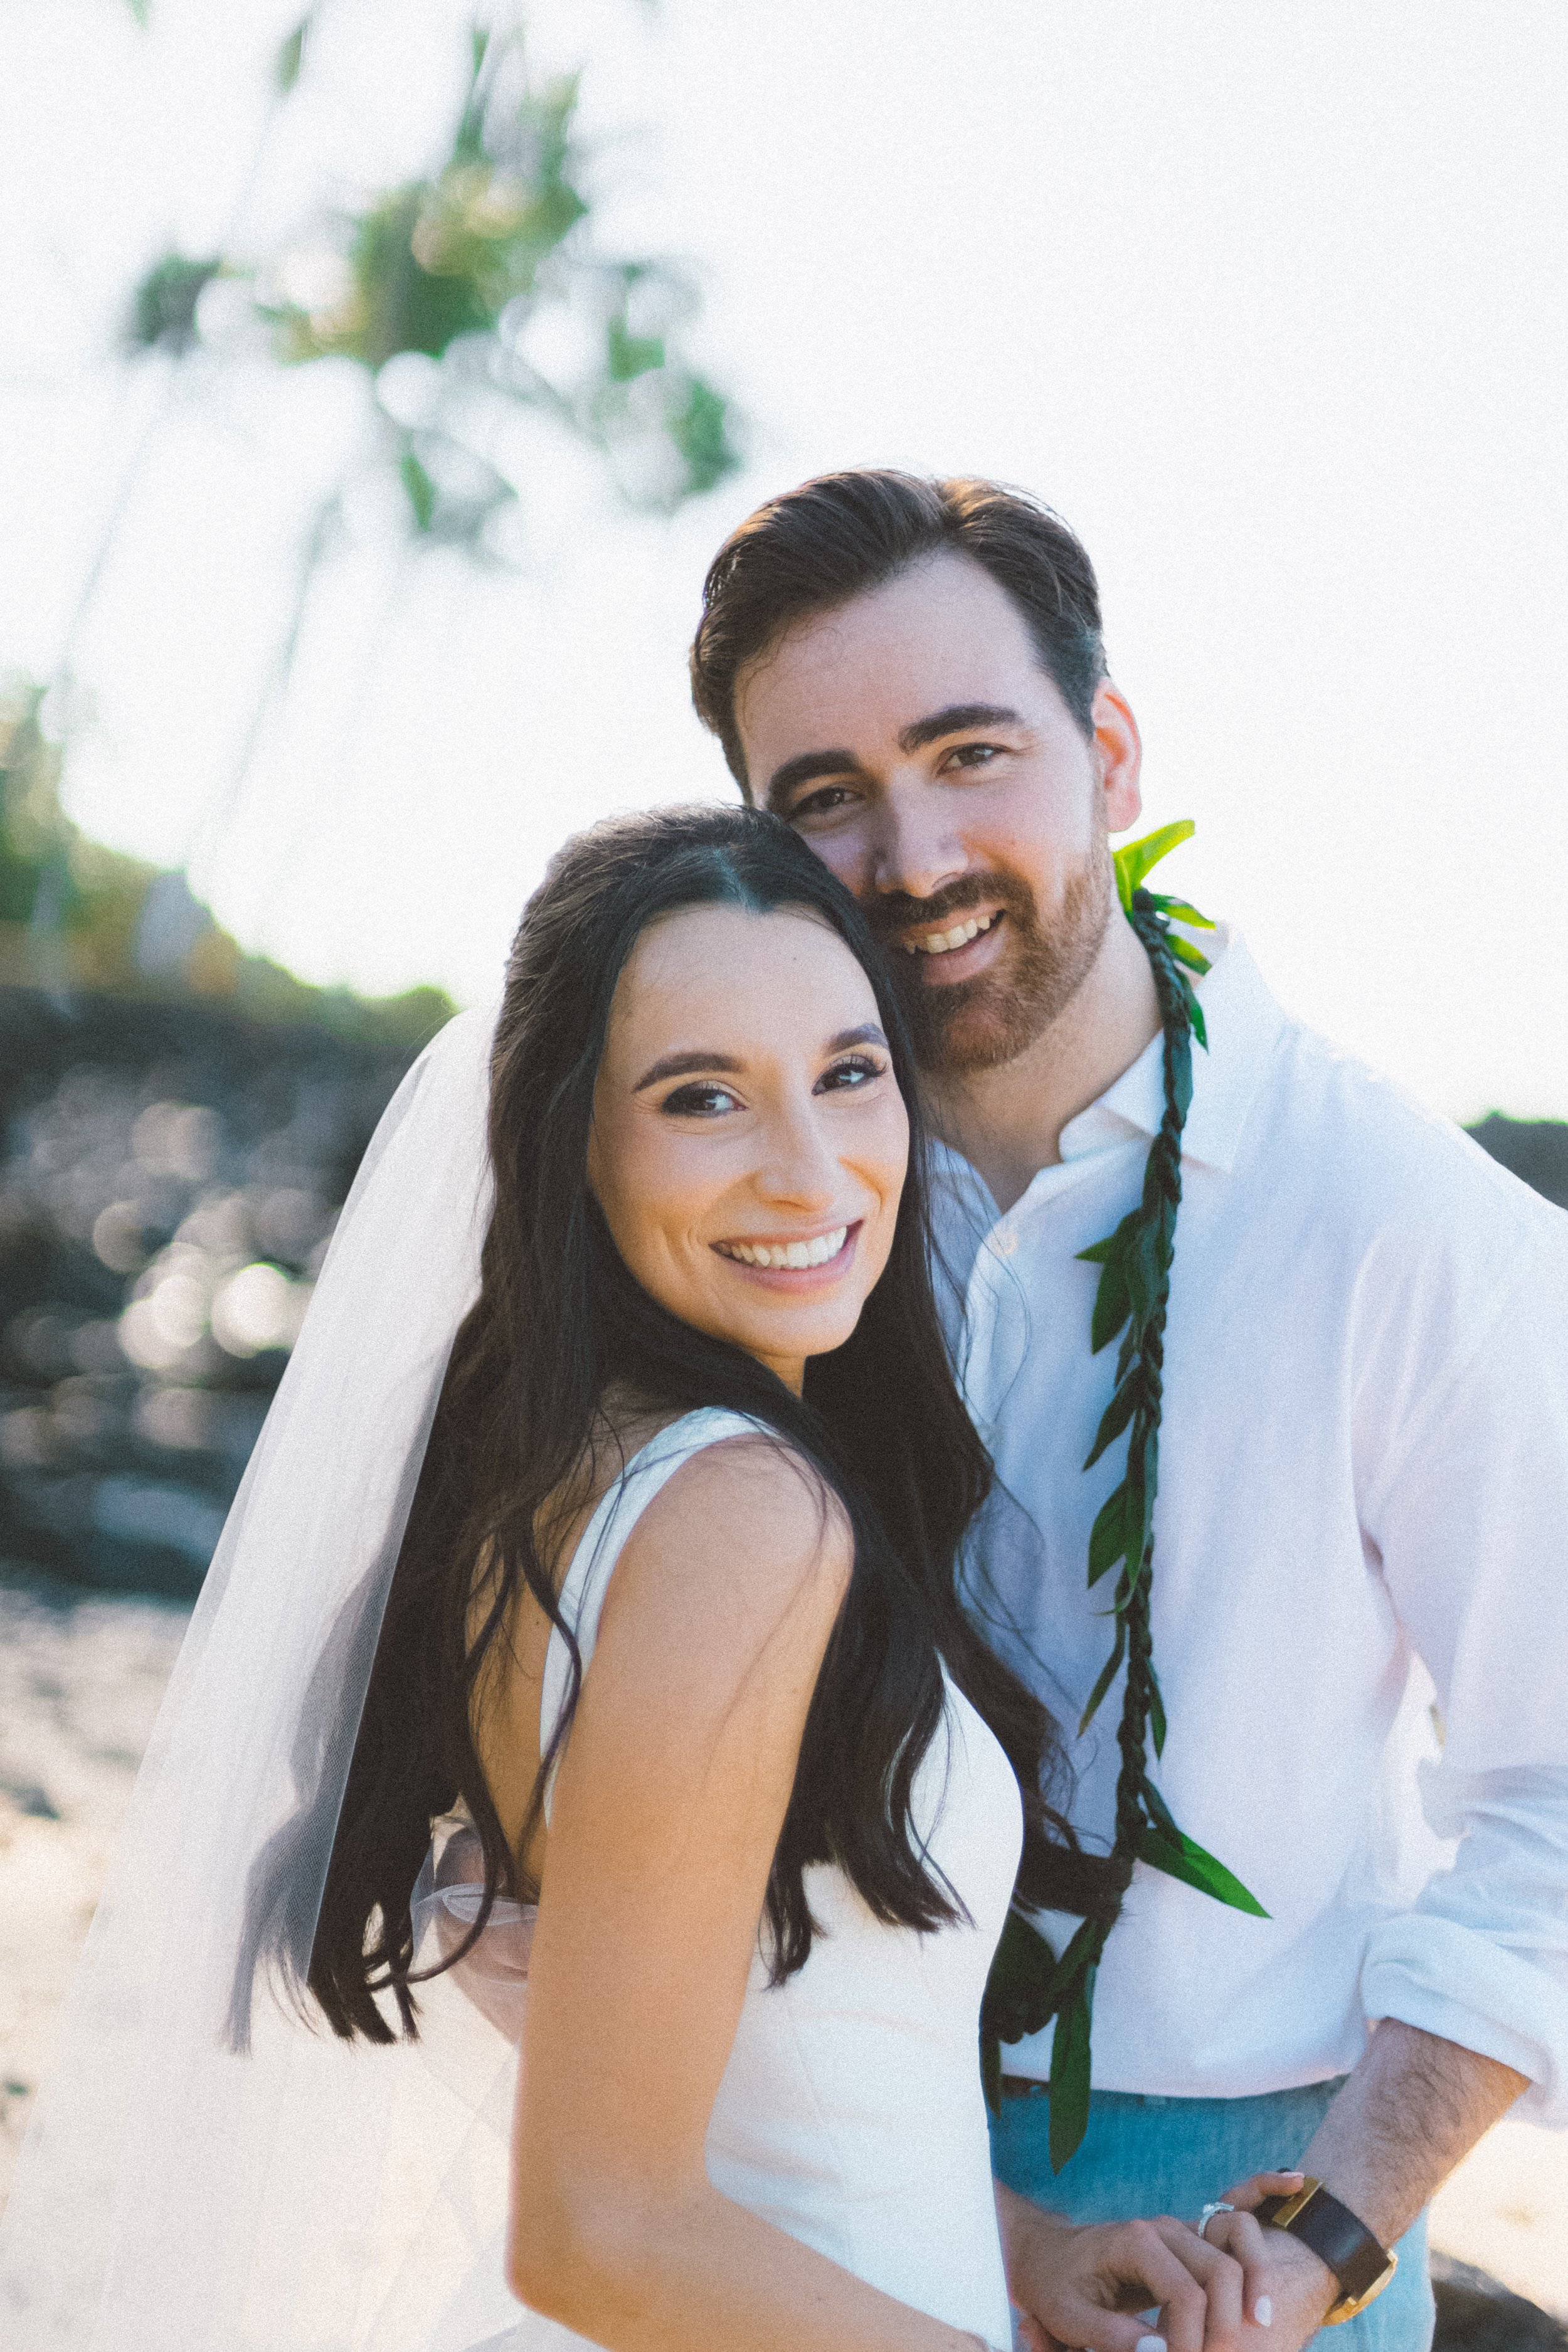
[
  {"x": 704, "y": 1100},
  {"x": 857, "y": 1071}
]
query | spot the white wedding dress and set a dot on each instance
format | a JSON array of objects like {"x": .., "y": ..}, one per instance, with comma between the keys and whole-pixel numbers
[{"x": 850, "y": 2113}]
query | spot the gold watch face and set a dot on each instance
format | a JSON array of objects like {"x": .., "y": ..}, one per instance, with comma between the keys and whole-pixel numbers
[{"x": 1350, "y": 2306}]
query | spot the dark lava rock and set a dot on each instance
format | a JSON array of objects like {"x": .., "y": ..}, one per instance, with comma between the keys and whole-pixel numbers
[
  {"x": 170, "y": 1174},
  {"x": 1475, "y": 2315},
  {"x": 1535, "y": 1148}
]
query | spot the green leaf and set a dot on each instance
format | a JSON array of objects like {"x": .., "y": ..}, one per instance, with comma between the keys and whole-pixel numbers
[
  {"x": 1185, "y": 952},
  {"x": 1116, "y": 1416},
  {"x": 1084, "y": 1948},
  {"x": 1112, "y": 1296},
  {"x": 1181, "y": 1081},
  {"x": 1070, "y": 2073},
  {"x": 1020, "y": 1992},
  {"x": 1195, "y": 1015},
  {"x": 1143, "y": 1269},
  {"x": 1108, "y": 1675},
  {"x": 1155, "y": 1806},
  {"x": 290, "y": 57},
  {"x": 1136, "y": 858},
  {"x": 1157, "y": 1726},
  {"x": 1108, "y": 1537},
  {"x": 421, "y": 490},
  {"x": 1112, "y": 1306},
  {"x": 1181, "y": 911},
  {"x": 1178, "y": 1857}
]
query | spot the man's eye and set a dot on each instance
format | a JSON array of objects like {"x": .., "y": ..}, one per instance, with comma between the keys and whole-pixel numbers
[
  {"x": 972, "y": 755},
  {"x": 824, "y": 801},
  {"x": 704, "y": 1100},
  {"x": 857, "y": 1071}
]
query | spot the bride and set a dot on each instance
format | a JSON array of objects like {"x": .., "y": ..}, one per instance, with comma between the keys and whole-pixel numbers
[{"x": 589, "y": 1626}]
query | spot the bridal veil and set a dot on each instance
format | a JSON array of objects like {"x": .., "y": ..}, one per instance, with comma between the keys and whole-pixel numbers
[{"x": 177, "y": 2192}]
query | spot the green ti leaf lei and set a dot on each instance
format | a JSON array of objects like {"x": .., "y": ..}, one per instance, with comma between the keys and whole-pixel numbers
[{"x": 1029, "y": 1984}]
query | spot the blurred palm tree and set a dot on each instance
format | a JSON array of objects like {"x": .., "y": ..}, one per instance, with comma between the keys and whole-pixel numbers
[
  {"x": 474, "y": 298},
  {"x": 449, "y": 290}
]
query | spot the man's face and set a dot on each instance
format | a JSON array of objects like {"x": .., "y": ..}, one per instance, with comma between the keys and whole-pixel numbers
[{"x": 915, "y": 741}]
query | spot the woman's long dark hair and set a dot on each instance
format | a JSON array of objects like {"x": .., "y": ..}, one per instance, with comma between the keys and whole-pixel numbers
[{"x": 558, "y": 1322}]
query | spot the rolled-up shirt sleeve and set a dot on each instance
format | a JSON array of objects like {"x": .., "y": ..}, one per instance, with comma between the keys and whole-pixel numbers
[{"x": 1466, "y": 1511}]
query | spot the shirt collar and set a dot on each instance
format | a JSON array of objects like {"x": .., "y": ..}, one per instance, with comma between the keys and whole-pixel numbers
[{"x": 1243, "y": 1024}]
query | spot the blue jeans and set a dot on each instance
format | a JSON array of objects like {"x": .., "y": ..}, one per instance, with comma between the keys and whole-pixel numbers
[{"x": 1171, "y": 2156}]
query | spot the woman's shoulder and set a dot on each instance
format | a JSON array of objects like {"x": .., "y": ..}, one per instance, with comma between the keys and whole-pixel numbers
[{"x": 745, "y": 1517}]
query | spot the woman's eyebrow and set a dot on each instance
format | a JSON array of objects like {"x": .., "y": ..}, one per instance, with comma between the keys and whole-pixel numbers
[{"x": 679, "y": 1065}]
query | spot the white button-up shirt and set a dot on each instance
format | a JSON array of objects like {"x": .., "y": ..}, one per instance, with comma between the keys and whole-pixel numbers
[{"x": 1360, "y": 1600}]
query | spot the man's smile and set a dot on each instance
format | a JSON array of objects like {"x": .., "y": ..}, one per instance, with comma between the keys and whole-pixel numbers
[{"x": 965, "y": 946}]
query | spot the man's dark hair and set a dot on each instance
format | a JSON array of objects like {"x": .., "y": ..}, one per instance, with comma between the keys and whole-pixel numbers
[{"x": 815, "y": 548}]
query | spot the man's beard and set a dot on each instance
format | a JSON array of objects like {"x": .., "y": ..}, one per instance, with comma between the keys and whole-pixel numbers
[{"x": 968, "y": 1025}]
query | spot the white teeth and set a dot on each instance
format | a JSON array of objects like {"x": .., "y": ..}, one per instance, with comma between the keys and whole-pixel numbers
[
  {"x": 797, "y": 1254},
  {"x": 943, "y": 943}
]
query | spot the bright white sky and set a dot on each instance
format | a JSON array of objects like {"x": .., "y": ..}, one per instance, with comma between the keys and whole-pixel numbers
[{"x": 1269, "y": 300}]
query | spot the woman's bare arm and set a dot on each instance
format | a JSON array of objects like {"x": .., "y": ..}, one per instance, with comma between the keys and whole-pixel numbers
[{"x": 665, "y": 1814}]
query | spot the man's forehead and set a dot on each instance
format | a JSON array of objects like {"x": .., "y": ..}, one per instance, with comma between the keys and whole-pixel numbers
[{"x": 942, "y": 635}]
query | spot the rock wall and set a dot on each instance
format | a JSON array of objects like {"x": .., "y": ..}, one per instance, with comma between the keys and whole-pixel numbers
[{"x": 170, "y": 1173}]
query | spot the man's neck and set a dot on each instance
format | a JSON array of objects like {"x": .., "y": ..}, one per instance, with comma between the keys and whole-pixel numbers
[{"x": 1008, "y": 1122}]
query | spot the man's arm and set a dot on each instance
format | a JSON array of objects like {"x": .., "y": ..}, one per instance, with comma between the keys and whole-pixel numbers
[
  {"x": 1413, "y": 2108},
  {"x": 1409, "y": 2112}
]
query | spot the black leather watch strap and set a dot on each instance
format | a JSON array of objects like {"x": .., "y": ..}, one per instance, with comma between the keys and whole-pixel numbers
[{"x": 1356, "y": 2257}]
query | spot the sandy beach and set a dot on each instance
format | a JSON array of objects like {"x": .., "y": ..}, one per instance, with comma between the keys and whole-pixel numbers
[{"x": 80, "y": 1680}]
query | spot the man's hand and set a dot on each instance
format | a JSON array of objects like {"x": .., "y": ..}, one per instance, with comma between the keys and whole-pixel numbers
[
  {"x": 1410, "y": 2110},
  {"x": 1079, "y": 2287},
  {"x": 1293, "y": 2289}
]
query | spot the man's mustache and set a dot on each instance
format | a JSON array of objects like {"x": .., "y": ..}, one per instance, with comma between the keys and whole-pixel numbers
[{"x": 897, "y": 913}]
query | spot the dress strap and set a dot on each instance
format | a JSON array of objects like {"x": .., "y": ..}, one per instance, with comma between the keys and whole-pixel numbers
[{"x": 587, "y": 1577}]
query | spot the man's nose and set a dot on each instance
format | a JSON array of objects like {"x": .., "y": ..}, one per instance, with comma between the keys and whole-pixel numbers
[{"x": 916, "y": 852}]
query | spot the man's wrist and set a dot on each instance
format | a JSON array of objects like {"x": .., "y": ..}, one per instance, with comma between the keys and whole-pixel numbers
[{"x": 1334, "y": 2238}]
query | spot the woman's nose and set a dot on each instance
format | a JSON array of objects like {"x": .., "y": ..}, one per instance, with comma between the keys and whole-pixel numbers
[{"x": 799, "y": 1167}]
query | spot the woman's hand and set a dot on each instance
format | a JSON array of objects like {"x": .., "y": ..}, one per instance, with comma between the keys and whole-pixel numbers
[
  {"x": 1292, "y": 2285},
  {"x": 1081, "y": 2286}
]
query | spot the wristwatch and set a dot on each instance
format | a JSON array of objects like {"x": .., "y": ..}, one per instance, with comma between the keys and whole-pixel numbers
[{"x": 1361, "y": 2264}]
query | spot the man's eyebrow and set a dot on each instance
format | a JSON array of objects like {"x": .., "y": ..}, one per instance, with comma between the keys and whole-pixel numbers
[
  {"x": 807, "y": 766},
  {"x": 680, "y": 1065},
  {"x": 954, "y": 721},
  {"x": 803, "y": 767}
]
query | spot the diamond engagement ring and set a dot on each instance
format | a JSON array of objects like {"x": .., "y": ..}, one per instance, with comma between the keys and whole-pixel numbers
[{"x": 1206, "y": 2216}]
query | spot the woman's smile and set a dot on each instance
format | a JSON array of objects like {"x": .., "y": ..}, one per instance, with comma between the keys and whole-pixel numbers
[{"x": 820, "y": 1257}]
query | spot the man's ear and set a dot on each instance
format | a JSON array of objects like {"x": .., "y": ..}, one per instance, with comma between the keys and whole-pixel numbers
[{"x": 1118, "y": 747}]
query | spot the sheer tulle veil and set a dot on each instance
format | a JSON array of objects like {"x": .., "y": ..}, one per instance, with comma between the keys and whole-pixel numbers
[{"x": 177, "y": 2193}]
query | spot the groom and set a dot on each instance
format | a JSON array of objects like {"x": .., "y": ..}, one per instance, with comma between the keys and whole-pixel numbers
[{"x": 1357, "y": 1602}]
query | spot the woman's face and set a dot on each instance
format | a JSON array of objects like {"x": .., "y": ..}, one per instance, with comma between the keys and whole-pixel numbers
[{"x": 750, "y": 1141}]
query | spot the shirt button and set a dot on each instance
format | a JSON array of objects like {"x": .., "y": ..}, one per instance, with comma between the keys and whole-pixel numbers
[{"x": 1004, "y": 1243}]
